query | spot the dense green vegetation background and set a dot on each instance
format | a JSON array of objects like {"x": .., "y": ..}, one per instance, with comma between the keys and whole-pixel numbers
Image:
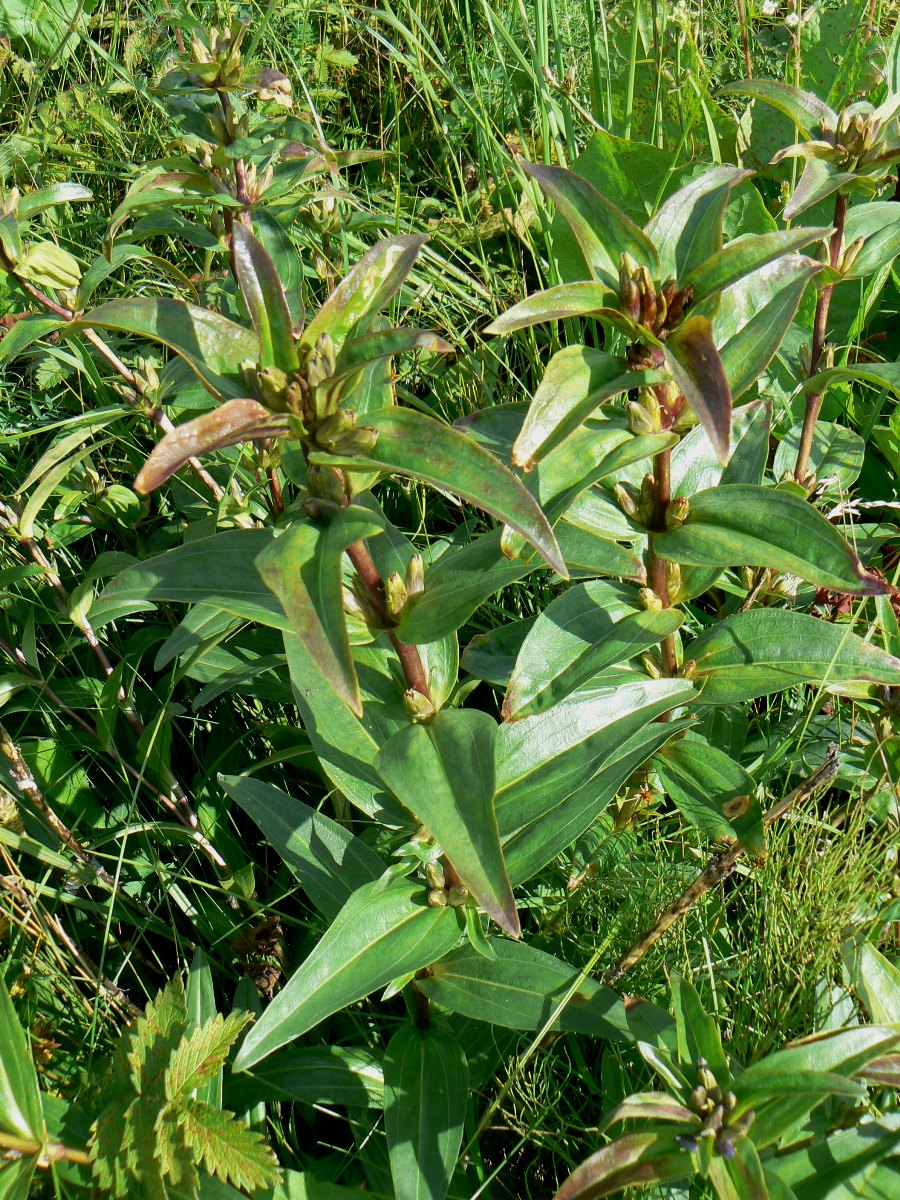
[{"x": 450, "y": 91}]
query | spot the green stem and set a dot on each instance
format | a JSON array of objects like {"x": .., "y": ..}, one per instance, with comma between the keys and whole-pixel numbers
[{"x": 48, "y": 1151}]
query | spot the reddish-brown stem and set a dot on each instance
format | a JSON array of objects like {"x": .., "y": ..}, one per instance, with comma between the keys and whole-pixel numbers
[
  {"x": 745, "y": 38},
  {"x": 656, "y": 567},
  {"x": 820, "y": 328},
  {"x": 421, "y": 1007},
  {"x": 410, "y": 659}
]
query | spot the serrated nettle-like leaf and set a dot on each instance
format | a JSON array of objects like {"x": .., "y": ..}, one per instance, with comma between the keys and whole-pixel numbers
[
  {"x": 577, "y": 380},
  {"x": 522, "y": 987},
  {"x": 385, "y": 930},
  {"x": 769, "y": 299},
  {"x": 694, "y": 361},
  {"x": 303, "y": 568},
  {"x": 743, "y": 525},
  {"x": 555, "y": 304},
  {"x": 687, "y": 229},
  {"x": 364, "y": 291},
  {"x": 326, "y": 859},
  {"x": 20, "y": 1101},
  {"x": 745, "y": 255},
  {"x": 210, "y": 344},
  {"x": 202, "y": 1054},
  {"x": 805, "y": 109},
  {"x": 603, "y": 231},
  {"x": 426, "y": 1085},
  {"x": 712, "y": 791},
  {"x": 443, "y": 772},
  {"x": 412, "y": 444},
  {"x": 551, "y": 667},
  {"x": 233, "y": 422},
  {"x": 227, "y": 1148},
  {"x": 767, "y": 650},
  {"x": 636, "y": 1158},
  {"x": 264, "y": 296}
]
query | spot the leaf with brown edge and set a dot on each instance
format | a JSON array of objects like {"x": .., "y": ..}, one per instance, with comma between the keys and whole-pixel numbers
[
  {"x": 264, "y": 296},
  {"x": 693, "y": 359},
  {"x": 554, "y": 304},
  {"x": 648, "y": 1106},
  {"x": 232, "y": 422},
  {"x": 636, "y": 1158}
]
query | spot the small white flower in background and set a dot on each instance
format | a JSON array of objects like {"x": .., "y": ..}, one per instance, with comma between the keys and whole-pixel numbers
[
  {"x": 769, "y": 8},
  {"x": 792, "y": 20}
]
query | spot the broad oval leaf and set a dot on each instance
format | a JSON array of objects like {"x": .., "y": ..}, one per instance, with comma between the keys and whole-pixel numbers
[
  {"x": 767, "y": 650},
  {"x": 522, "y": 987},
  {"x": 20, "y": 1100},
  {"x": 412, "y": 444},
  {"x": 328, "y": 861},
  {"x": 744, "y": 525},
  {"x": 443, "y": 772},
  {"x": 232, "y": 422},
  {"x": 264, "y": 296},
  {"x": 426, "y": 1085},
  {"x": 603, "y": 231},
  {"x": 385, "y": 930},
  {"x": 364, "y": 290},
  {"x": 633, "y": 1159}
]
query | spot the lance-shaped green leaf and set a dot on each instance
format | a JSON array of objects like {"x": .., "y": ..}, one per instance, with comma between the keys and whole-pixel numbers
[
  {"x": 846, "y": 1163},
  {"x": 837, "y": 453},
  {"x": 575, "y": 639},
  {"x": 461, "y": 579},
  {"x": 820, "y": 179},
  {"x": 303, "y": 569},
  {"x": 878, "y": 222},
  {"x": 266, "y": 303},
  {"x": 805, "y": 109},
  {"x": 210, "y": 344},
  {"x": 767, "y": 650},
  {"x": 385, "y": 930},
  {"x": 652, "y": 1106},
  {"x": 880, "y": 375},
  {"x": 695, "y": 467},
  {"x": 361, "y": 352},
  {"x": 744, "y": 525},
  {"x": 16, "y": 1177},
  {"x": 687, "y": 229},
  {"x": 443, "y": 772},
  {"x": 43, "y": 198},
  {"x": 576, "y": 381},
  {"x": 410, "y": 443},
  {"x": 522, "y": 987},
  {"x": 636, "y": 1158},
  {"x": 770, "y": 298},
  {"x": 876, "y": 980},
  {"x": 25, "y": 333},
  {"x": 426, "y": 1086},
  {"x": 554, "y": 304},
  {"x": 328, "y": 861},
  {"x": 313, "y": 1075},
  {"x": 233, "y": 422},
  {"x": 20, "y": 1101},
  {"x": 712, "y": 791},
  {"x": 364, "y": 290},
  {"x": 746, "y": 255},
  {"x": 694, "y": 361},
  {"x": 603, "y": 231}
]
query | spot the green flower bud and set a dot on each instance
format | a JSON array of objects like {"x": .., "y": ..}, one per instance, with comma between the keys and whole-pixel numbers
[
  {"x": 418, "y": 707},
  {"x": 434, "y": 874},
  {"x": 639, "y": 420},
  {"x": 437, "y": 898},
  {"x": 415, "y": 577},
  {"x": 677, "y": 512},
  {"x": 395, "y": 594},
  {"x": 457, "y": 896},
  {"x": 625, "y": 500}
]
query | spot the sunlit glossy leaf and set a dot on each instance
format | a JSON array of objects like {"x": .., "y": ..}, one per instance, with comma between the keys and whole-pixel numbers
[
  {"x": 385, "y": 930},
  {"x": 767, "y": 650},
  {"x": 303, "y": 569},
  {"x": 633, "y": 1159},
  {"x": 745, "y": 255},
  {"x": 837, "y": 453},
  {"x": 264, "y": 296},
  {"x": 604, "y": 233},
  {"x": 426, "y": 1084},
  {"x": 443, "y": 772},
  {"x": 687, "y": 229},
  {"x": 695, "y": 465},
  {"x": 412, "y": 444},
  {"x": 20, "y": 1101},
  {"x": 820, "y": 179},
  {"x": 233, "y": 422},
  {"x": 805, "y": 109},
  {"x": 555, "y": 304},
  {"x": 742, "y": 525},
  {"x": 351, "y": 1076}
]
